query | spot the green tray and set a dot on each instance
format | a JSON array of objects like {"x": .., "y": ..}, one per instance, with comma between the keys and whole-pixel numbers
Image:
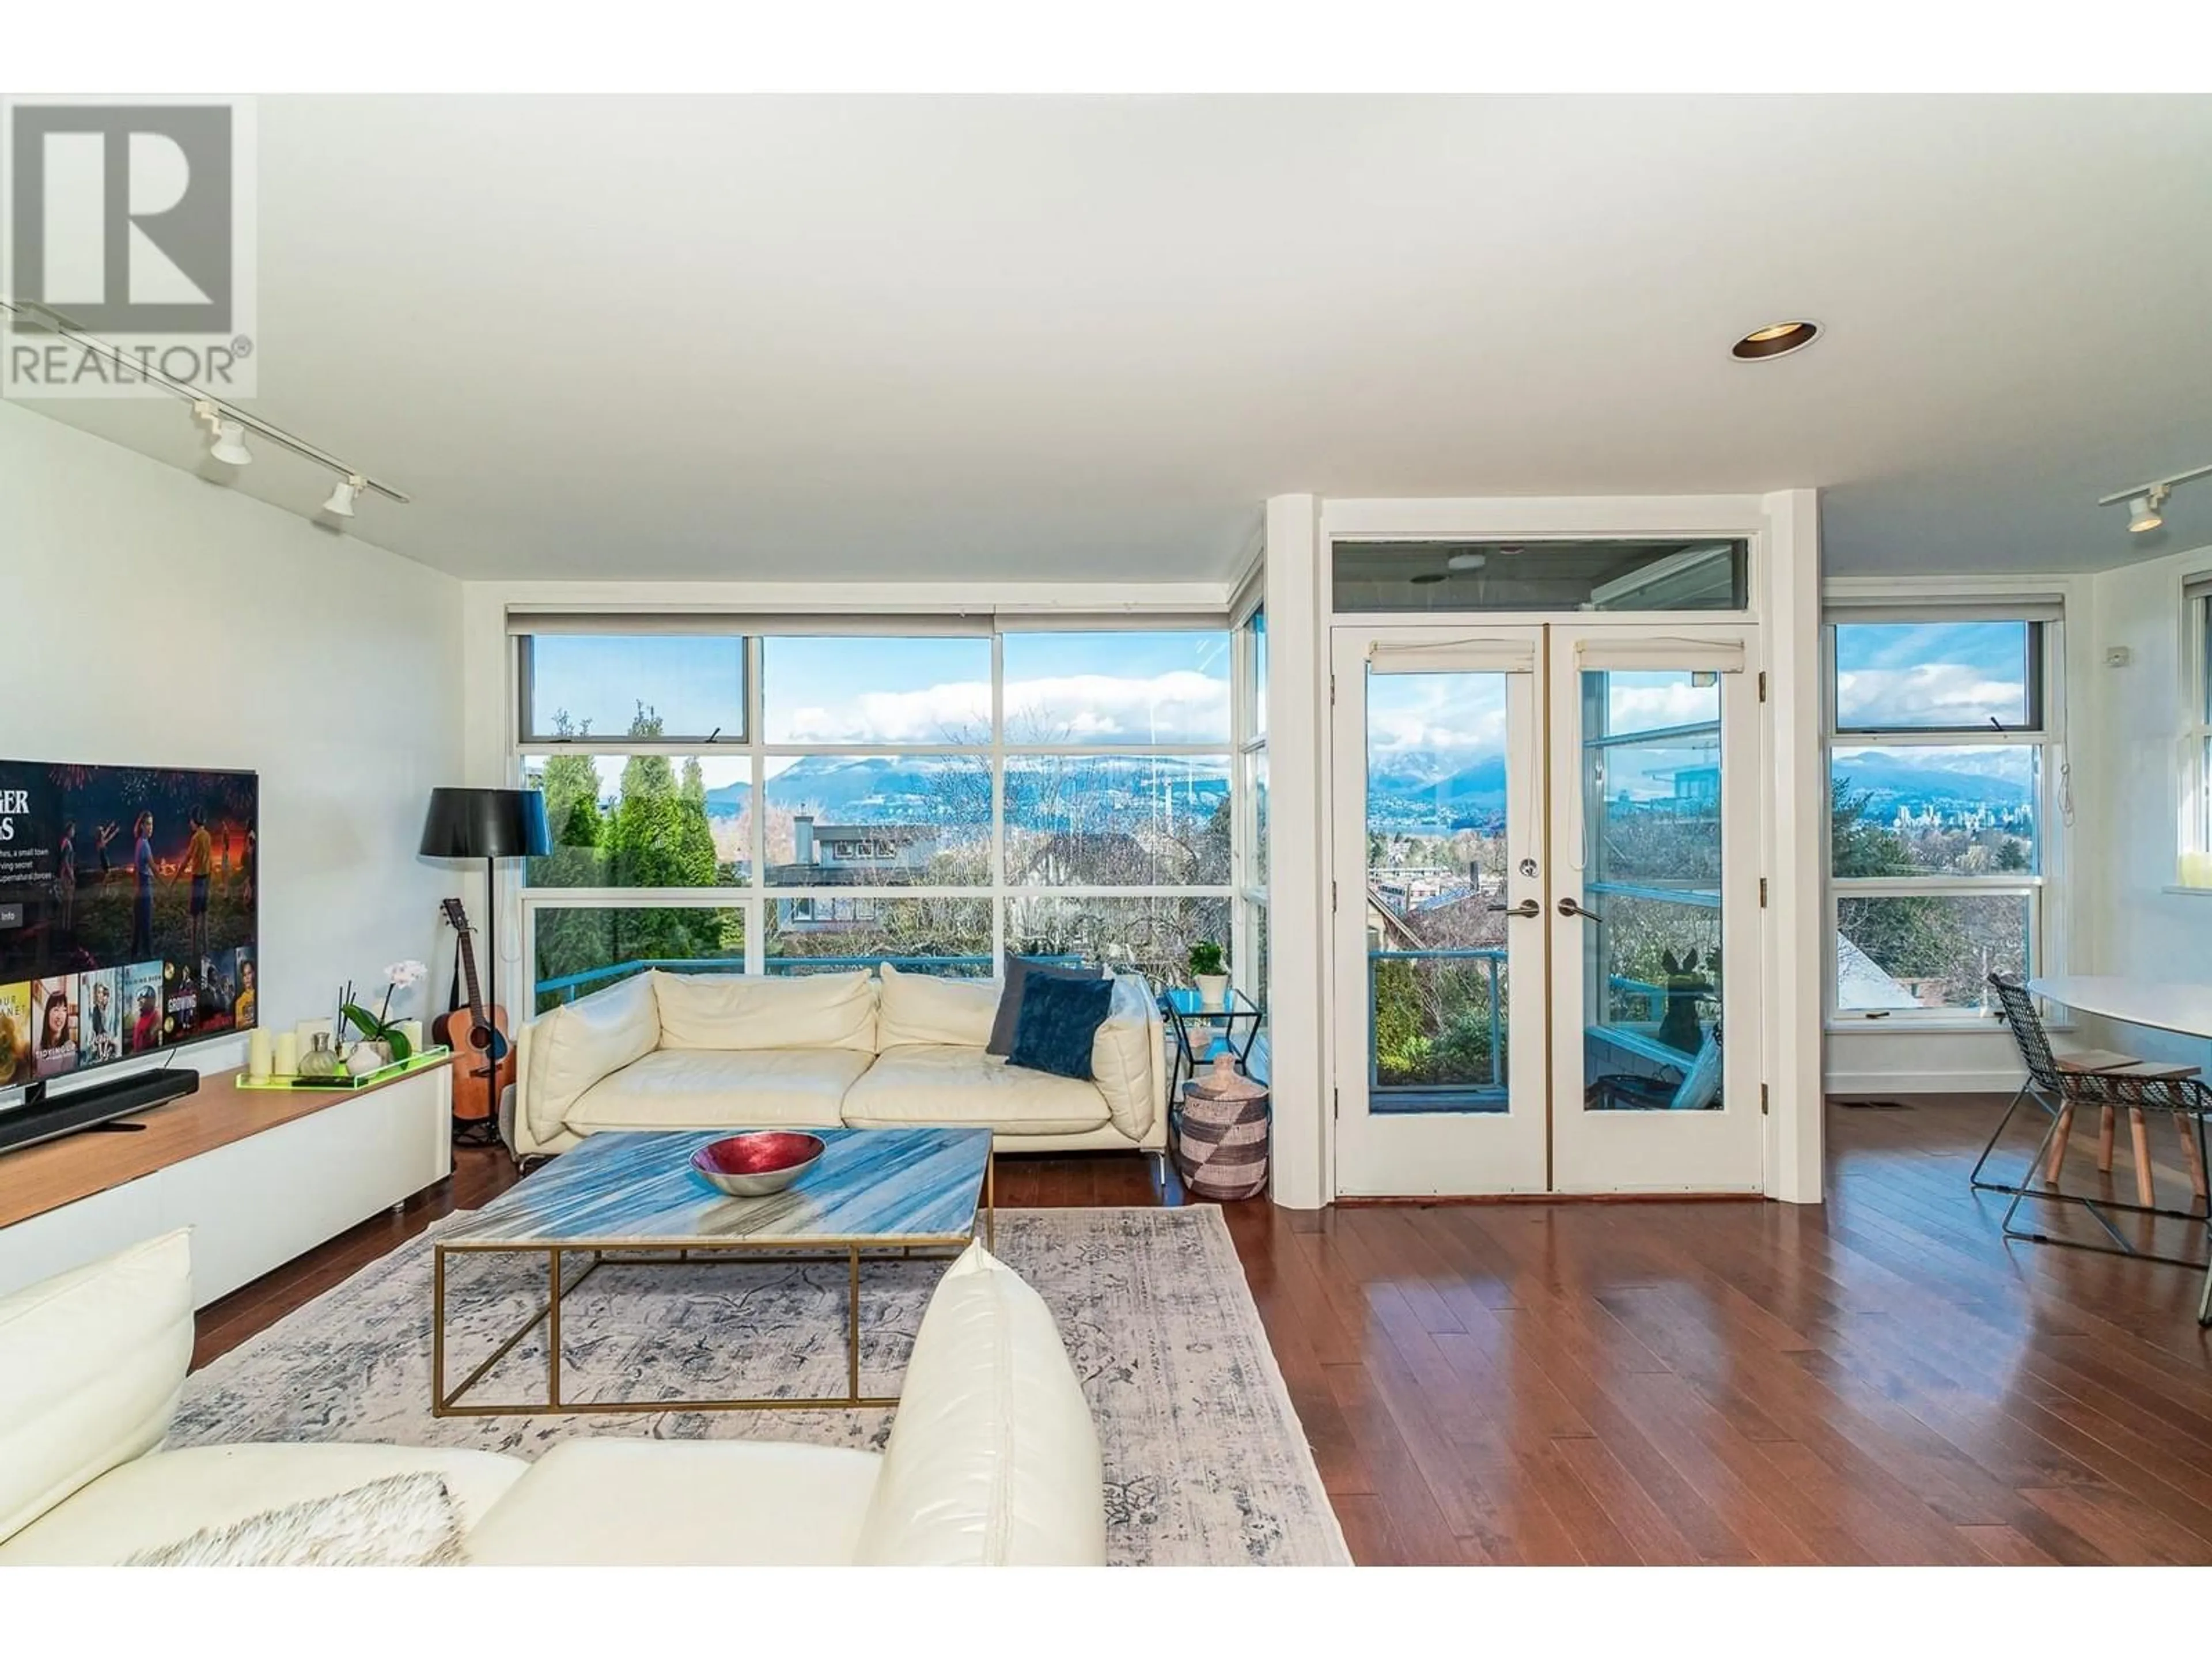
[{"x": 421, "y": 1060}]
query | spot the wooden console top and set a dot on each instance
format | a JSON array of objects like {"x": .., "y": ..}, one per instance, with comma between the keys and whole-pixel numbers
[{"x": 37, "y": 1179}]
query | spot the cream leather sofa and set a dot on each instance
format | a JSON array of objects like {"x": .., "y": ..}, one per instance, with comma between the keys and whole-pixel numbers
[
  {"x": 710, "y": 1051},
  {"x": 993, "y": 1458}
]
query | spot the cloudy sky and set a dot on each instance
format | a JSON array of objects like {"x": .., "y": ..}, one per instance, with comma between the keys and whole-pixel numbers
[
  {"x": 1076, "y": 689},
  {"x": 1931, "y": 674}
]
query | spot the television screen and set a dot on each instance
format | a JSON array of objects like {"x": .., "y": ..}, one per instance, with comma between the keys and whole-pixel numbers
[{"x": 128, "y": 903}]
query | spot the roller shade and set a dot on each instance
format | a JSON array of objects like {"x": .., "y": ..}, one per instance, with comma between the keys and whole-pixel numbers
[
  {"x": 2026, "y": 607},
  {"x": 1650, "y": 652},
  {"x": 1485, "y": 656}
]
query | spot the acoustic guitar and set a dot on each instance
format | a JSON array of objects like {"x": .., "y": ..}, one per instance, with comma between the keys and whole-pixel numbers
[{"x": 476, "y": 1034}]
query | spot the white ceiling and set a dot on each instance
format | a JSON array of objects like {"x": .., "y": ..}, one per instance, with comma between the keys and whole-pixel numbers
[{"x": 956, "y": 338}]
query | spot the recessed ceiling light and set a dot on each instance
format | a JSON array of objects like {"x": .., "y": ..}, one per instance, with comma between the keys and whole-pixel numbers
[
  {"x": 1467, "y": 561},
  {"x": 1428, "y": 578},
  {"x": 1775, "y": 340}
]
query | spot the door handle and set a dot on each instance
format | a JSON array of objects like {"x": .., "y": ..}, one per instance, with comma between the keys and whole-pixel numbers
[
  {"x": 1526, "y": 907},
  {"x": 1569, "y": 907}
]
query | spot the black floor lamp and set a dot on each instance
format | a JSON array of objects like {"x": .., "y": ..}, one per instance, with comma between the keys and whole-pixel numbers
[{"x": 489, "y": 824}]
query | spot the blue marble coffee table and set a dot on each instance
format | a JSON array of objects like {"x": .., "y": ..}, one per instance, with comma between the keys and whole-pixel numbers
[{"x": 636, "y": 1198}]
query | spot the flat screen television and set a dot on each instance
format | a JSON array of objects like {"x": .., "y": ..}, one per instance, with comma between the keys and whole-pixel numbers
[{"x": 129, "y": 909}]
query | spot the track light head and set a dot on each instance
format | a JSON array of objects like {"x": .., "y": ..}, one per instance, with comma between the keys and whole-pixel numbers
[
  {"x": 2144, "y": 511},
  {"x": 230, "y": 444},
  {"x": 344, "y": 494}
]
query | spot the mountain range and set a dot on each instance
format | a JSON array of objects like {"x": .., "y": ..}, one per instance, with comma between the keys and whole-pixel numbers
[{"x": 894, "y": 789}]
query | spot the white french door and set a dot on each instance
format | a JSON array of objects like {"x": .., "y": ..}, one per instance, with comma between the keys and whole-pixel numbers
[{"x": 1544, "y": 932}]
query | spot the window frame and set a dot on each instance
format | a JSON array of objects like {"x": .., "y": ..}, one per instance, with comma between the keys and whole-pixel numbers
[
  {"x": 2193, "y": 817},
  {"x": 2043, "y": 887},
  {"x": 753, "y": 894}
]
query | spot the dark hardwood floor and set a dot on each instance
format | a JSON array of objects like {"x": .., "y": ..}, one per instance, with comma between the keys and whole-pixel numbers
[{"x": 1882, "y": 1379}]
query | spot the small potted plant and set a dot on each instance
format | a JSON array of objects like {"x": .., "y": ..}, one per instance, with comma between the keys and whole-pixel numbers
[
  {"x": 1206, "y": 968},
  {"x": 381, "y": 1038}
]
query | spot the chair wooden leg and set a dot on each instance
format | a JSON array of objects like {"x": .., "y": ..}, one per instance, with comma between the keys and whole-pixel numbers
[
  {"x": 2107, "y": 1118},
  {"x": 2187, "y": 1130},
  {"x": 2139, "y": 1132},
  {"x": 2058, "y": 1134}
]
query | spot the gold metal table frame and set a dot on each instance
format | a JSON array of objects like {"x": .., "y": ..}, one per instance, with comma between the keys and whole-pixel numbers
[{"x": 658, "y": 1254}]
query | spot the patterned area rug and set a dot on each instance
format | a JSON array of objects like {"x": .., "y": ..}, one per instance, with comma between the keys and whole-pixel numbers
[{"x": 1206, "y": 1461}]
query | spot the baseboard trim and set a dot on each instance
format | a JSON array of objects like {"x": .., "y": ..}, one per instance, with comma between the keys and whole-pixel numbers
[{"x": 1922, "y": 1082}]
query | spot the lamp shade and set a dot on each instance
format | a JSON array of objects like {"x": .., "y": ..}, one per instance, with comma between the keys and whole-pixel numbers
[{"x": 485, "y": 824}]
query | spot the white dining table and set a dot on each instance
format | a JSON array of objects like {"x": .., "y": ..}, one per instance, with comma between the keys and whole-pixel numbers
[{"x": 2162, "y": 1005}]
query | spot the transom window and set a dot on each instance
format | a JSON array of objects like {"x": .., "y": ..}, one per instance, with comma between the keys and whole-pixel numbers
[
  {"x": 1943, "y": 802},
  {"x": 757, "y": 801}
]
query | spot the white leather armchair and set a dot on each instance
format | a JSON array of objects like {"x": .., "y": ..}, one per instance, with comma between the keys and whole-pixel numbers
[{"x": 993, "y": 1459}]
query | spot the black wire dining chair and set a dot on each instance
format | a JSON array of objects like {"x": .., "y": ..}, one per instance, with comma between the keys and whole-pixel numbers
[
  {"x": 2134, "y": 1088},
  {"x": 2045, "y": 1084}
]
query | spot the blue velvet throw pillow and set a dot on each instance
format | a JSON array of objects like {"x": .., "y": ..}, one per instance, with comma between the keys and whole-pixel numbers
[{"x": 1058, "y": 1021}]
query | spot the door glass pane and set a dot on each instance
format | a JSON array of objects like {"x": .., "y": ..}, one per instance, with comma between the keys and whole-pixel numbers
[
  {"x": 1538, "y": 575},
  {"x": 1651, "y": 780},
  {"x": 1436, "y": 768}
]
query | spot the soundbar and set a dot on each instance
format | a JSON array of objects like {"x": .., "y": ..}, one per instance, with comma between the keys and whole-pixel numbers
[{"x": 41, "y": 1118}]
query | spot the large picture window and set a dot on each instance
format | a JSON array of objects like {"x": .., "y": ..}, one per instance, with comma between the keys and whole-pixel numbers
[
  {"x": 1942, "y": 801},
  {"x": 765, "y": 802}
]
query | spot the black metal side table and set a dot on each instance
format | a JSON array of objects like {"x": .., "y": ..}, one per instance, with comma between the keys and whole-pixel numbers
[{"x": 1185, "y": 1014}]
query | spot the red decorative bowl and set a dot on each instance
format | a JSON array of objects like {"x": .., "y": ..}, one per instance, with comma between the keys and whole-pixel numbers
[{"x": 756, "y": 1165}]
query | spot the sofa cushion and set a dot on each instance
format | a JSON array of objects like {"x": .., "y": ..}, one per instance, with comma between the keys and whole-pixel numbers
[
  {"x": 159, "y": 1499},
  {"x": 1014, "y": 983},
  {"x": 1126, "y": 1057},
  {"x": 964, "y": 1087},
  {"x": 90, "y": 1365},
  {"x": 1060, "y": 1022},
  {"x": 744, "y": 1011},
  {"x": 993, "y": 1459},
  {"x": 930, "y": 1008},
  {"x": 698, "y": 1089},
  {"x": 691, "y": 1503},
  {"x": 574, "y": 1046}
]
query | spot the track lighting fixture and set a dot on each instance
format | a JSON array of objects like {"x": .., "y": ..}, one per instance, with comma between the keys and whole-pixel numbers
[
  {"x": 2145, "y": 501},
  {"x": 230, "y": 445},
  {"x": 226, "y": 437},
  {"x": 346, "y": 493},
  {"x": 227, "y": 426}
]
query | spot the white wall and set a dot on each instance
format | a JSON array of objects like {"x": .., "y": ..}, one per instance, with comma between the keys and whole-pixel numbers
[
  {"x": 155, "y": 619},
  {"x": 2131, "y": 799}
]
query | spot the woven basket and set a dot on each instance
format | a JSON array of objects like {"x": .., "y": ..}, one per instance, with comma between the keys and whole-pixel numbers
[{"x": 1221, "y": 1134}]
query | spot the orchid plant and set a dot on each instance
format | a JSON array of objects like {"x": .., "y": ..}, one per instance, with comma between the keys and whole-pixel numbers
[{"x": 379, "y": 1027}]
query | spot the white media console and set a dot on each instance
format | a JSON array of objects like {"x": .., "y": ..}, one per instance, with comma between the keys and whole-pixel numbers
[{"x": 259, "y": 1176}]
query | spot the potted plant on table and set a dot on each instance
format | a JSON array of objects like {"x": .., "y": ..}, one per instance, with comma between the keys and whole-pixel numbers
[
  {"x": 382, "y": 1041},
  {"x": 1207, "y": 970}
]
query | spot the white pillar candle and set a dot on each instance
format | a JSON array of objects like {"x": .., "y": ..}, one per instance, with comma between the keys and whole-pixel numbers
[
  {"x": 260, "y": 1055},
  {"x": 287, "y": 1061}
]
